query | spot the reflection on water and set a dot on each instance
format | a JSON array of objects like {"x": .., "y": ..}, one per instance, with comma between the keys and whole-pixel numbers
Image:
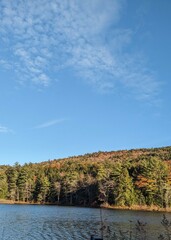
[{"x": 30, "y": 222}]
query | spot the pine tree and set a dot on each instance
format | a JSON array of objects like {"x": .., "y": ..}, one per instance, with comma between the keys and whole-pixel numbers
[
  {"x": 124, "y": 189},
  {"x": 22, "y": 185},
  {"x": 3, "y": 184},
  {"x": 152, "y": 180},
  {"x": 12, "y": 180}
]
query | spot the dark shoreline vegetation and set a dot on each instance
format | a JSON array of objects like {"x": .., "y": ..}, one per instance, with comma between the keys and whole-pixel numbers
[
  {"x": 138, "y": 231},
  {"x": 133, "y": 179}
]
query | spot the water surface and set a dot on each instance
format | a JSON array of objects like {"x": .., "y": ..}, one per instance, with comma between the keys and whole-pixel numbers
[{"x": 36, "y": 222}]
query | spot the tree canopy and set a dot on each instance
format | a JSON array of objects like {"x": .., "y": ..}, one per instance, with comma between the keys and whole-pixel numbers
[{"x": 122, "y": 178}]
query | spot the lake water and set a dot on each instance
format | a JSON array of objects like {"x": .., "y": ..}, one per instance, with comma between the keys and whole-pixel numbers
[{"x": 34, "y": 222}]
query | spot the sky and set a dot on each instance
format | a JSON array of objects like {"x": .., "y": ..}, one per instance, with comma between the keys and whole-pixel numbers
[{"x": 78, "y": 77}]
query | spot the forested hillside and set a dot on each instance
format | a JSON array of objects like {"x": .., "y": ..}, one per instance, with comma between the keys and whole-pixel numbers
[{"x": 121, "y": 178}]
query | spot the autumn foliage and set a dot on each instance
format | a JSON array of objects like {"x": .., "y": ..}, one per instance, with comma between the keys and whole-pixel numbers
[{"x": 120, "y": 178}]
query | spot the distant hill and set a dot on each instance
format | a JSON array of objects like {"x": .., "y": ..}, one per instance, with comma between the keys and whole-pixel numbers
[
  {"x": 164, "y": 153},
  {"x": 140, "y": 177}
]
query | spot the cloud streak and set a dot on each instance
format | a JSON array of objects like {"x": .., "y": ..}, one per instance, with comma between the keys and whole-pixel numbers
[
  {"x": 49, "y": 123},
  {"x": 81, "y": 35},
  {"x": 4, "y": 129}
]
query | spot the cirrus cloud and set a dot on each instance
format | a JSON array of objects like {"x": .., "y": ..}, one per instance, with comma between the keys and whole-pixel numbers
[
  {"x": 4, "y": 129},
  {"x": 44, "y": 37},
  {"x": 49, "y": 123}
]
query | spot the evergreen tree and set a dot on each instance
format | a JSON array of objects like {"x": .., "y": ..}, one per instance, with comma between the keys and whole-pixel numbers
[
  {"x": 124, "y": 189},
  {"x": 69, "y": 185},
  {"x": 22, "y": 185},
  {"x": 41, "y": 188},
  {"x": 152, "y": 180},
  {"x": 12, "y": 175},
  {"x": 3, "y": 184}
]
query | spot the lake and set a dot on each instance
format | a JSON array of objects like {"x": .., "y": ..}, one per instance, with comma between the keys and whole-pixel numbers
[{"x": 37, "y": 222}]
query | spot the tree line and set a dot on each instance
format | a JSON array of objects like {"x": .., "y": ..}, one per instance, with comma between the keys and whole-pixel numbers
[{"x": 123, "y": 178}]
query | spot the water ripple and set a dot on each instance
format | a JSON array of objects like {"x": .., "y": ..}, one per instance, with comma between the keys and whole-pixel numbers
[{"x": 68, "y": 223}]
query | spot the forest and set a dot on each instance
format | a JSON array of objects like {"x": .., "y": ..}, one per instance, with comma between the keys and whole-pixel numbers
[{"x": 119, "y": 178}]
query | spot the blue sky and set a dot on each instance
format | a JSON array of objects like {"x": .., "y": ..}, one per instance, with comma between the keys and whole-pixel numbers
[{"x": 83, "y": 76}]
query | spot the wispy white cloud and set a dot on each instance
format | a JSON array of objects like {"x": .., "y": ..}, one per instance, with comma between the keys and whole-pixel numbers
[
  {"x": 4, "y": 129},
  {"x": 50, "y": 123},
  {"x": 44, "y": 37},
  {"x": 5, "y": 64}
]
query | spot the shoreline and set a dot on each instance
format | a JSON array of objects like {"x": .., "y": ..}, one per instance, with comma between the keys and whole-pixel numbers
[
  {"x": 145, "y": 208},
  {"x": 103, "y": 206}
]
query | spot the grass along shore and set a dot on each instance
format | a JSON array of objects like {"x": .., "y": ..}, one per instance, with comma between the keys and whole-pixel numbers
[{"x": 152, "y": 208}]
